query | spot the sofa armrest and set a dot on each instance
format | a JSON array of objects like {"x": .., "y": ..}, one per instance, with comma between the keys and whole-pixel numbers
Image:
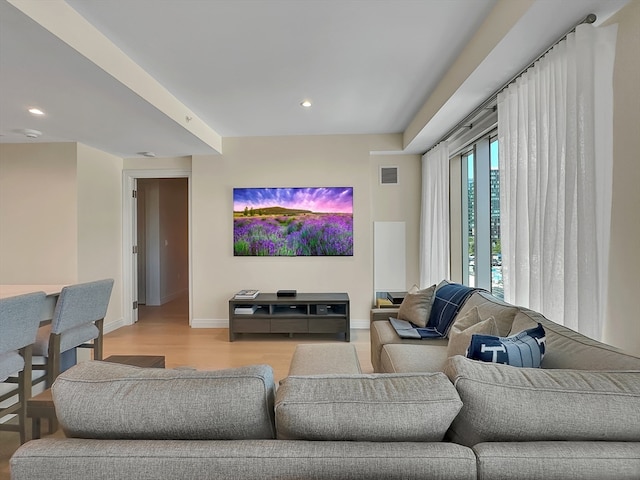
[{"x": 378, "y": 314}]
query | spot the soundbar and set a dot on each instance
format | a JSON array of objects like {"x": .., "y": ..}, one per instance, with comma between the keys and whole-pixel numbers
[{"x": 286, "y": 293}]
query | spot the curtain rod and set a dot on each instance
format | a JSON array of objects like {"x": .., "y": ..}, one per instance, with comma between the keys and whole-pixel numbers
[{"x": 591, "y": 18}]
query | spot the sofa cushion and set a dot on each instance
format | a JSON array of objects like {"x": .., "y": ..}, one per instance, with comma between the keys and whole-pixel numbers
[
  {"x": 460, "y": 335},
  {"x": 502, "y": 403},
  {"x": 404, "y": 358},
  {"x": 382, "y": 333},
  {"x": 490, "y": 306},
  {"x": 558, "y": 460},
  {"x": 112, "y": 401},
  {"x": 374, "y": 408},
  {"x": 74, "y": 458},
  {"x": 416, "y": 306},
  {"x": 567, "y": 348},
  {"x": 524, "y": 349}
]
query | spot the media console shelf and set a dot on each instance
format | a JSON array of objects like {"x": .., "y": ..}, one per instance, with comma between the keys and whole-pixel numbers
[{"x": 304, "y": 313}]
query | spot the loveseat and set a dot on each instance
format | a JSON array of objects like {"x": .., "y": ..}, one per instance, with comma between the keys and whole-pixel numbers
[{"x": 422, "y": 415}]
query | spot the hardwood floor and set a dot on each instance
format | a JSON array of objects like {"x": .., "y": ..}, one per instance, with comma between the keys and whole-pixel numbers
[{"x": 165, "y": 331}]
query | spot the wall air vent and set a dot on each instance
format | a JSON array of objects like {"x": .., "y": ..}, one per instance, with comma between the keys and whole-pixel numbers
[{"x": 388, "y": 175}]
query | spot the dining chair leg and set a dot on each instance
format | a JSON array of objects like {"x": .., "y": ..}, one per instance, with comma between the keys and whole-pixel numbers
[
  {"x": 98, "y": 352},
  {"x": 53, "y": 360},
  {"x": 24, "y": 391}
]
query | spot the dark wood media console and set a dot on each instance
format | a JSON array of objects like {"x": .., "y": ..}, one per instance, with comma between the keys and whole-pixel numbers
[{"x": 304, "y": 313}]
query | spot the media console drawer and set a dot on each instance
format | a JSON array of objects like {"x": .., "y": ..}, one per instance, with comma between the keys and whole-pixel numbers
[{"x": 304, "y": 313}]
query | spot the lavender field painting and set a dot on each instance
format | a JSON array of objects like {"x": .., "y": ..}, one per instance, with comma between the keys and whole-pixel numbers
[{"x": 312, "y": 221}]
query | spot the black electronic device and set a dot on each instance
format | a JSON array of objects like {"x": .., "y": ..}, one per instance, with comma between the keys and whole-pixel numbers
[{"x": 286, "y": 293}]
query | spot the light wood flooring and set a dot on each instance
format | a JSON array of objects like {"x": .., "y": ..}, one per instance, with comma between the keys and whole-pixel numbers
[{"x": 165, "y": 331}]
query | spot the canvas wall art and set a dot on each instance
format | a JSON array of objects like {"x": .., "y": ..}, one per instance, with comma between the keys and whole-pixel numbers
[{"x": 284, "y": 221}]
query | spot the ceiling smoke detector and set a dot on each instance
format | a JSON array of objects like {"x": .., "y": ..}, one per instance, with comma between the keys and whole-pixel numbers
[{"x": 30, "y": 133}]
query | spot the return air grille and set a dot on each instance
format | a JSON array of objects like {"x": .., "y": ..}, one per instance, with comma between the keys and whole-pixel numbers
[{"x": 389, "y": 175}]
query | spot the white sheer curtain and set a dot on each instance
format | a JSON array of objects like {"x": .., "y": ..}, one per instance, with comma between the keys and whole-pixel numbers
[
  {"x": 434, "y": 216},
  {"x": 555, "y": 128}
]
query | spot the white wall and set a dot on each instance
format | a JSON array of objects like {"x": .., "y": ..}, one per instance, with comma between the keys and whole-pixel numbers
[
  {"x": 151, "y": 195},
  {"x": 623, "y": 321},
  {"x": 38, "y": 213}
]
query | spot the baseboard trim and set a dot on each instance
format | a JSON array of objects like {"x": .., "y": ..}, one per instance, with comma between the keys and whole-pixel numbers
[
  {"x": 209, "y": 323},
  {"x": 224, "y": 323},
  {"x": 113, "y": 325},
  {"x": 360, "y": 324}
]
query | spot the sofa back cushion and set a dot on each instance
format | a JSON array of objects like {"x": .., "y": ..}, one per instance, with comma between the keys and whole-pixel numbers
[
  {"x": 113, "y": 401},
  {"x": 379, "y": 407},
  {"x": 566, "y": 348},
  {"x": 490, "y": 306},
  {"x": 502, "y": 403}
]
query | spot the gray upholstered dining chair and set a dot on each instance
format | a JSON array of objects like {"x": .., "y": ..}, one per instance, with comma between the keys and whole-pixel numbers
[
  {"x": 19, "y": 320},
  {"x": 77, "y": 322}
]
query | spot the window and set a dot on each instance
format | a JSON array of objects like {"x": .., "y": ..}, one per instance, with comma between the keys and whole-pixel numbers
[
  {"x": 497, "y": 287},
  {"x": 480, "y": 188},
  {"x": 468, "y": 219}
]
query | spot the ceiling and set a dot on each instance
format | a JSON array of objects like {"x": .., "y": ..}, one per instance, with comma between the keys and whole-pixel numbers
[{"x": 175, "y": 77}]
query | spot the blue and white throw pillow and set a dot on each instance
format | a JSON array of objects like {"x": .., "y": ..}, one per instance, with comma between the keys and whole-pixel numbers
[{"x": 524, "y": 349}]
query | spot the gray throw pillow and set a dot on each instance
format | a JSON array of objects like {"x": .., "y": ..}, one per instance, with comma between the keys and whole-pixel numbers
[{"x": 416, "y": 306}]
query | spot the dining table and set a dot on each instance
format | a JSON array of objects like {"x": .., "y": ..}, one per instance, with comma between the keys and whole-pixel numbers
[{"x": 52, "y": 292}]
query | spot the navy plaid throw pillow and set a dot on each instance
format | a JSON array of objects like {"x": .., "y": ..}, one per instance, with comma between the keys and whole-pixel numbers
[{"x": 524, "y": 349}]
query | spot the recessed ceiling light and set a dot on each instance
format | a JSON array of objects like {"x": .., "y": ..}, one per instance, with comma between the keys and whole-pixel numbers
[
  {"x": 306, "y": 103},
  {"x": 36, "y": 111}
]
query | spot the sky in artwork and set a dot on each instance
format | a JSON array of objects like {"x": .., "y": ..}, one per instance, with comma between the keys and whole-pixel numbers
[{"x": 315, "y": 199}]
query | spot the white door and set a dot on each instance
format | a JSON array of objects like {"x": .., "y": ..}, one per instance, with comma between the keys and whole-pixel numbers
[{"x": 134, "y": 250}]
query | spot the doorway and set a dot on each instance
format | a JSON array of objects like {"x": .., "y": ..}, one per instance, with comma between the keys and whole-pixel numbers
[
  {"x": 163, "y": 240},
  {"x": 156, "y": 230}
]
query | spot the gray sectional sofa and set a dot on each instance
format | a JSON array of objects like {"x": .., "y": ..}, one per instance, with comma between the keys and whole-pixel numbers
[
  {"x": 424, "y": 414},
  {"x": 577, "y": 416},
  {"x": 125, "y": 422}
]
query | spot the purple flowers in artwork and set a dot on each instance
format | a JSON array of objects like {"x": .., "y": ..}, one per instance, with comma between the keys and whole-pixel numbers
[{"x": 305, "y": 234}]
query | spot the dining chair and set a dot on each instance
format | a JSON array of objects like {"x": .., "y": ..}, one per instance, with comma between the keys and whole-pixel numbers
[
  {"x": 19, "y": 320},
  {"x": 77, "y": 322}
]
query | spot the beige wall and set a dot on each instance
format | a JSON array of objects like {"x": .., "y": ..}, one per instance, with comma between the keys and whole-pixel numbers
[
  {"x": 61, "y": 217},
  {"x": 279, "y": 162},
  {"x": 400, "y": 203},
  {"x": 38, "y": 213},
  {"x": 99, "y": 194},
  {"x": 170, "y": 163},
  {"x": 623, "y": 321}
]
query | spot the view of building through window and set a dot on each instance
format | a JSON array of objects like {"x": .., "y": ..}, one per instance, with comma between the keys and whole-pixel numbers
[
  {"x": 497, "y": 286},
  {"x": 482, "y": 215},
  {"x": 471, "y": 219}
]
